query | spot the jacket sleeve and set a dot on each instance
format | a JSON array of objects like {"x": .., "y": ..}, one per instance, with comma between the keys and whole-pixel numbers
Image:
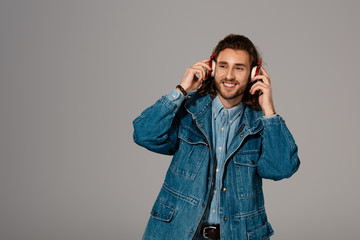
[
  {"x": 279, "y": 154},
  {"x": 157, "y": 127}
]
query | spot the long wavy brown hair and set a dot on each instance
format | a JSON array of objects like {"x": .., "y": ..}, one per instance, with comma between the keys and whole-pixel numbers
[{"x": 236, "y": 42}]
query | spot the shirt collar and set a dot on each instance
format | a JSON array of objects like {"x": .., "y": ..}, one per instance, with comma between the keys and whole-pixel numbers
[{"x": 233, "y": 113}]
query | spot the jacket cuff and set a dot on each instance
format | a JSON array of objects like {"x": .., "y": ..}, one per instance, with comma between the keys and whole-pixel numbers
[
  {"x": 274, "y": 119},
  {"x": 173, "y": 100}
]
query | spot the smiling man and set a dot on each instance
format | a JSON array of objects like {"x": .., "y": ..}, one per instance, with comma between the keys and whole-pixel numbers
[{"x": 225, "y": 137}]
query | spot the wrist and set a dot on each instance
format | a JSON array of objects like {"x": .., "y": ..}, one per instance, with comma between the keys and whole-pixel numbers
[
  {"x": 182, "y": 90},
  {"x": 186, "y": 87},
  {"x": 269, "y": 113}
]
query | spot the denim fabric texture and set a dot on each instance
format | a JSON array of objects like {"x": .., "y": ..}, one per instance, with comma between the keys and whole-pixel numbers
[{"x": 263, "y": 147}]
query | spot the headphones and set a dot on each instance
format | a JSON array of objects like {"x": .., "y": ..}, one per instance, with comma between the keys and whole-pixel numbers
[{"x": 212, "y": 64}]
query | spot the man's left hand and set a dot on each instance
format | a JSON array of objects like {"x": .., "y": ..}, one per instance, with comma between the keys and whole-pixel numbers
[{"x": 265, "y": 98}]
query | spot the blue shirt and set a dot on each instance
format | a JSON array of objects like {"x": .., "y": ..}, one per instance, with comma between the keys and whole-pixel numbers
[{"x": 225, "y": 123}]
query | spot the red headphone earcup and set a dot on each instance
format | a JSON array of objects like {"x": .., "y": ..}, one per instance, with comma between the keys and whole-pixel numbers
[
  {"x": 213, "y": 68},
  {"x": 255, "y": 71}
]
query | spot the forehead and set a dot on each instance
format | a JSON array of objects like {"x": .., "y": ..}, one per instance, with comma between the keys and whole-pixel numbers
[{"x": 232, "y": 56}]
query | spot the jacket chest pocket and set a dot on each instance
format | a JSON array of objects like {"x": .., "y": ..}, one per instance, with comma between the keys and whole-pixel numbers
[
  {"x": 190, "y": 154},
  {"x": 247, "y": 180}
]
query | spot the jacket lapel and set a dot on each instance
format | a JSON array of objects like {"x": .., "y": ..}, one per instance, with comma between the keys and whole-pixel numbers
[
  {"x": 250, "y": 124},
  {"x": 200, "y": 109}
]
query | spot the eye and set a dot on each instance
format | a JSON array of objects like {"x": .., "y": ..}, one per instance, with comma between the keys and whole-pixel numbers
[
  {"x": 222, "y": 66},
  {"x": 240, "y": 68}
]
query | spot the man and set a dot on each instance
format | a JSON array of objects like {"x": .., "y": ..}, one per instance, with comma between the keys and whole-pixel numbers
[{"x": 224, "y": 137}]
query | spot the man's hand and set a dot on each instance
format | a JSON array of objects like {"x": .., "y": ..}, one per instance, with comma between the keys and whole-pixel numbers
[
  {"x": 265, "y": 98},
  {"x": 195, "y": 75}
]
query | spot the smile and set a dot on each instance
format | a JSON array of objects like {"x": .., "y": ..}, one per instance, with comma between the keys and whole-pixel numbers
[{"x": 229, "y": 85}]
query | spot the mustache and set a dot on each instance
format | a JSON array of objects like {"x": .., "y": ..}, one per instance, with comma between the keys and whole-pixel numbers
[{"x": 229, "y": 80}]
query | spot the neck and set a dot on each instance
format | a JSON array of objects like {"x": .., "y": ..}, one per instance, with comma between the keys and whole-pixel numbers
[{"x": 230, "y": 103}]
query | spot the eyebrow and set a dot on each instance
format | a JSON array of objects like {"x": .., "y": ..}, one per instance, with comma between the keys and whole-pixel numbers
[{"x": 236, "y": 64}]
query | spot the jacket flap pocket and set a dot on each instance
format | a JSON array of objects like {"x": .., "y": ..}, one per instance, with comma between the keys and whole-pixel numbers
[
  {"x": 190, "y": 135},
  {"x": 162, "y": 212},
  {"x": 261, "y": 233},
  {"x": 247, "y": 158}
]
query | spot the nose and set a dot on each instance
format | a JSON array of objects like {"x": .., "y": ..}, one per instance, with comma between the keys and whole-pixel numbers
[{"x": 230, "y": 74}]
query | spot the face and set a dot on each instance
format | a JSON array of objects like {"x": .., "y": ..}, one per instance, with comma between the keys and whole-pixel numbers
[{"x": 232, "y": 75}]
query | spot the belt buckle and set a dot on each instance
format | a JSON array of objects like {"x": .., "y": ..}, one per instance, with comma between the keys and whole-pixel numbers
[{"x": 204, "y": 233}]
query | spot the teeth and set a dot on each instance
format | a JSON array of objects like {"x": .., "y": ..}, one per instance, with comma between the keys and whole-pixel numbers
[{"x": 229, "y": 84}]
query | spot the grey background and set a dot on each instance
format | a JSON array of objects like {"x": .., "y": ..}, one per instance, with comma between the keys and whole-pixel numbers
[{"x": 74, "y": 74}]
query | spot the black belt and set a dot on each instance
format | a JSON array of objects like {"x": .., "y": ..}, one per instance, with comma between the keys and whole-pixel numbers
[{"x": 211, "y": 231}]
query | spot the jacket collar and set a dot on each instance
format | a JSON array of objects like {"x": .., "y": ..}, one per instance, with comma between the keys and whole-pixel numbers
[
  {"x": 200, "y": 109},
  {"x": 200, "y": 106},
  {"x": 253, "y": 120}
]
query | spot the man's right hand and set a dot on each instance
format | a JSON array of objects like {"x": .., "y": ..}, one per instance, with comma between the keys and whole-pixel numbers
[{"x": 195, "y": 75}]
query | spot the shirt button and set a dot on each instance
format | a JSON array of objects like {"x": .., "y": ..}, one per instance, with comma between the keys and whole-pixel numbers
[
  {"x": 217, "y": 170},
  {"x": 224, "y": 189},
  {"x": 230, "y": 121},
  {"x": 213, "y": 210},
  {"x": 241, "y": 134},
  {"x": 214, "y": 191},
  {"x": 222, "y": 129},
  {"x": 220, "y": 148},
  {"x": 173, "y": 96},
  {"x": 225, "y": 111}
]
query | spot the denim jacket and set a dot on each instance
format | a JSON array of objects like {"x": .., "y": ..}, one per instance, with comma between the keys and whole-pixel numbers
[{"x": 261, "y": 148}]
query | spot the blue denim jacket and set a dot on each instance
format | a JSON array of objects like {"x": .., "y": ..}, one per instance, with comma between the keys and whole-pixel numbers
[{"x": 262, "y": 148}]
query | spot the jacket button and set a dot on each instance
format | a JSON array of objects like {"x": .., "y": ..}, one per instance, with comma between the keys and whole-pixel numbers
[
  {"x": 225, "y": 219},
  {"x": 200, "y": 125},
  {"x": 252, "y": 162},
  {"x": 263, "y": 238},
  {"x": 203, "y": 205},
  {"x": 155, "y": 213},
  {"x": 191, "y": 231},
  {"x": 241, "y": 135},
  {"x": 190, "y": 140}
]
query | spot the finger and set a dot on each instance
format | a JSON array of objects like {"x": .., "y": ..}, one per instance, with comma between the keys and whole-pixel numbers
[
  {"x": 206, "y": 60},
  {"x": 265, "y": 73},
  {"x": 199, "y": 72},
  {"x": 204, "y": 70},
  {"x": 256, "y": 89},
  {"x": 203, "y": 65},
  {"x": 259, "y": 86},
  {"x": 263, "y": 78}
]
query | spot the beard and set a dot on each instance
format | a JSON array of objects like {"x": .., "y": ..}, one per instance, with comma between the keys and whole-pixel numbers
[{"x": 237, "y": 92}]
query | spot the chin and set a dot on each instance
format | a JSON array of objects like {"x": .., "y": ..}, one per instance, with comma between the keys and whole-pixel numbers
[{"x": 231, "y": 95}]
